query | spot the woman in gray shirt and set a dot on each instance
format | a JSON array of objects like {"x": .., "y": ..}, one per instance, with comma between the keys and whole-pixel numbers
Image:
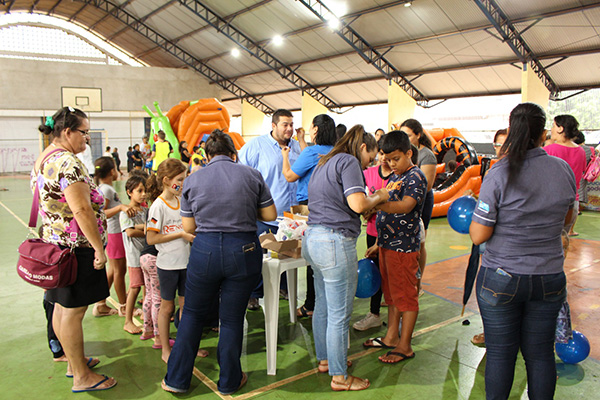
[{"x": 524, "y": 202}]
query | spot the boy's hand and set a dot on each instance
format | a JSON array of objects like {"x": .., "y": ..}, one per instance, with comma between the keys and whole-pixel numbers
[
  {"x": 188, "y": 236},
  {"x": 368, "y": 214},
  {"x": 372, "y": 251}
]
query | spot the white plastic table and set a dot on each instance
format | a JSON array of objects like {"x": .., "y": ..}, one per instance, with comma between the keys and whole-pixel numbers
[{"x": 271, "y": 270}]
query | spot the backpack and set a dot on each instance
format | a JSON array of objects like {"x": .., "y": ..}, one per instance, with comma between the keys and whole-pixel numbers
[{"x": 592, "y": 171}]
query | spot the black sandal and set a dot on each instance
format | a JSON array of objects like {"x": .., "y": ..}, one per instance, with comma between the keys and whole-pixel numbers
[{"x": 304, "y": 312}]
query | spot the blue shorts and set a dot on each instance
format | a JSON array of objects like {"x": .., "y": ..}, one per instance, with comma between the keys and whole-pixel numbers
[{"x": 171, "y": 281}]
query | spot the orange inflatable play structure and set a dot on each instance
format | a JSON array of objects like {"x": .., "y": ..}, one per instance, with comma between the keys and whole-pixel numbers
[
  {"x": 191, "y": 120},
  {"x": 467, "y": 176}
]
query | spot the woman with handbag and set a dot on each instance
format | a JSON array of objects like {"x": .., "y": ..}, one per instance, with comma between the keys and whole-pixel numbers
[{"x": 71, "y": 209}]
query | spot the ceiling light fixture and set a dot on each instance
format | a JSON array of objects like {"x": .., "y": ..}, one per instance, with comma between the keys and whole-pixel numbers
[
  {"x": 408, "y": 4},
  {"x": 235, "y": 53},
  {"x": 334, "y": 23},
  {"x": 278, "y": 40}
]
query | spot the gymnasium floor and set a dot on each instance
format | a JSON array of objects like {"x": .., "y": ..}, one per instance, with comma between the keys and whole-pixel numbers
[{"x": 447, "y": 365}]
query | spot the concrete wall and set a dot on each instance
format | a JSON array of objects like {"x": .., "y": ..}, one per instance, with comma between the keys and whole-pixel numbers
[
  {"x": 31, "y": 90},
  {"x": 37, "y": 85}
]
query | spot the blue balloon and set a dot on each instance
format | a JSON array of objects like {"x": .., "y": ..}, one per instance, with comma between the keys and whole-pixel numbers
[
  {"x": 575, "y": 351},
  {"x": 461, "y": 212},
  {"x": 369, "y": 279}
]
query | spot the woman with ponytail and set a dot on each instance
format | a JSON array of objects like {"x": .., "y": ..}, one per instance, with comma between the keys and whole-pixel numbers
[
  {"x": 565, "y": 129},
  {"x": 336, "y": 194},
  {"x": 526, "y": 199}
]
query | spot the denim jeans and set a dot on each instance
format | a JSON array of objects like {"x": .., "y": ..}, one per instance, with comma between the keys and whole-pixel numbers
[
  {"x": 519, "y": 312},
  {"x": 226, "y": 265},
  {"x": 335, "y": 264}
]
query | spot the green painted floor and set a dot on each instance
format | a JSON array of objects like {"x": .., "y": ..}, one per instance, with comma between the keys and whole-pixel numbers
[{"x": 447, "y": 365}]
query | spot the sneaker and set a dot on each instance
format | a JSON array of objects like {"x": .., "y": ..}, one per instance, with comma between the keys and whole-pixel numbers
[{"x": 370, "y": 321}]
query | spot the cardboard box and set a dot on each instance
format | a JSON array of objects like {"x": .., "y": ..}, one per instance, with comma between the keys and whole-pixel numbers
[
  {"x": 284, "y": 249},
  {"x": 299, "y": 212}
]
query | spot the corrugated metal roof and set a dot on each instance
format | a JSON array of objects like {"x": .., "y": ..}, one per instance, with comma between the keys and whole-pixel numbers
[{"x": 449, "y": 46}]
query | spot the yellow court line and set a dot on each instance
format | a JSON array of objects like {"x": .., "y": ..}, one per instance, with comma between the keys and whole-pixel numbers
[
  {"x": 33, "y": 232},
  {"x": 355, "y": 356},
  {"x": 116, "y": 305}
]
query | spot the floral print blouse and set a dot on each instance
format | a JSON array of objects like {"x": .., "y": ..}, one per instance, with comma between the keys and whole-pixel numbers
[{"x": 59, "y": 226}]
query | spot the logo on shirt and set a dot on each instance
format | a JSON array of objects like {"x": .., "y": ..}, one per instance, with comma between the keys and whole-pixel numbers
[
  {"x": 483, "y": 207},
  {"x": 153, "y": 220}
]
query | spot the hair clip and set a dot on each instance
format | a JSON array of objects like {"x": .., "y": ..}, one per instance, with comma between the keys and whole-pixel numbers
[
  {"x": 71, "y": 109},
  {"x": 98, "y": 167},
  {"x": 49, "y": 122}
]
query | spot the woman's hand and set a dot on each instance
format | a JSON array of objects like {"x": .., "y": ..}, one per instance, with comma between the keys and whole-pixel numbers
[
  {"x": 383, "y": 194},
  {"x": 285, "y": 152},
  {"x": 99, "y": 259},
  {"x": 372, "y": 251}
]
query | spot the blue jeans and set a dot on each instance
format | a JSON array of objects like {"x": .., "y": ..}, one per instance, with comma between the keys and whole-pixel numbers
[
  {"x": 226, "y": 265},
  {"x": 335, "y": 264},
  {"x": 519, "y": 312}
]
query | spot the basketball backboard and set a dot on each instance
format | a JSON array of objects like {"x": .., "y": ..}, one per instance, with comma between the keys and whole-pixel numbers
[{"x": 86, "y": 99}]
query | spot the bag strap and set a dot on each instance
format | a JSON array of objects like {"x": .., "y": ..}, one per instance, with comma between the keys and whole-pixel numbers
[{"x": 35, "y": 205}]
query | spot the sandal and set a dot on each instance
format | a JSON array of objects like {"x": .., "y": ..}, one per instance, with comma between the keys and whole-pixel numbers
[
  {"x": 324, "y": 368},
  {"x": 348, "y": 385},
  {"x": 304, "y": 312},
  {"x": 479, "y": 340}
]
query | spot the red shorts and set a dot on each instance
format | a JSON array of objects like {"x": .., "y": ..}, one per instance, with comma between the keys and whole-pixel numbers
[
  {"x": 136, "y": 277},
  {"x": 115, "y": 248},
  {"x": 399, "y": 278}
]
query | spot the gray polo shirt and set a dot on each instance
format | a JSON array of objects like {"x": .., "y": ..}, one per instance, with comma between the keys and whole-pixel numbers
[
  {"x": 328, "y": 188},
  {"x": 528, "y": 215},
  {"x": 224, "y": 196}
]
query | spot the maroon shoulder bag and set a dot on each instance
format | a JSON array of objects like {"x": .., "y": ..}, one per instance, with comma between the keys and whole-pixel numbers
[{"x": 43, "y": 264}]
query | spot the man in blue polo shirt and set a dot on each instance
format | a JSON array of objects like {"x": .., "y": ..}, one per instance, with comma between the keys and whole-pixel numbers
[{"x": 264, "y": 154}]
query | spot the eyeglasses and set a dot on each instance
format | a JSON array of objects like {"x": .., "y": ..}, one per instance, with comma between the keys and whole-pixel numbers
[{"x": 83, "y": 133}]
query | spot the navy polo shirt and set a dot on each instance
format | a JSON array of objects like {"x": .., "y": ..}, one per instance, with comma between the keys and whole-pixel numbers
[
  {"x": 224, "y": 196},
  {"x": 527, "y": 215}
]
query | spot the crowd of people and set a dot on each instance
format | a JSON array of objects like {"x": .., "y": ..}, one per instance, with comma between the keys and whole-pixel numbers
[{"x": 194, "y": 243}]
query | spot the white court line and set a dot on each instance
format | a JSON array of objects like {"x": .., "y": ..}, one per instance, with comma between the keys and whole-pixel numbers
[{"x": 33, "y": 232}]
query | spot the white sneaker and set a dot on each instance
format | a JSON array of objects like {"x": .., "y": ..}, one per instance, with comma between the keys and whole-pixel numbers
[{"x": 370, "y": 321}]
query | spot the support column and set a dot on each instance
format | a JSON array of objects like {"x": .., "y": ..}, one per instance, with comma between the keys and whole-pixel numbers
[
  {"x": 400, "y": 105},
  {"x": 310, "y": 109},
  {"x": 533, "y": 89},
  {"x": 252, "y": 120}
]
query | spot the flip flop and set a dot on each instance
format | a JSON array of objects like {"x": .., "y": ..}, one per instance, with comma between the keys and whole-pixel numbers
[
  {"x": 377, "y": 342},
  {"x": 147, "y": 337},
  {"x": 396, "y": 353},
  {"x": 91, "y": 363},
  {"x": 303, "y": 312},
  {"x": 94, "y": 388},
  {"x": 170, "y": 389},
  {"x": 159, "y": 346}
]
